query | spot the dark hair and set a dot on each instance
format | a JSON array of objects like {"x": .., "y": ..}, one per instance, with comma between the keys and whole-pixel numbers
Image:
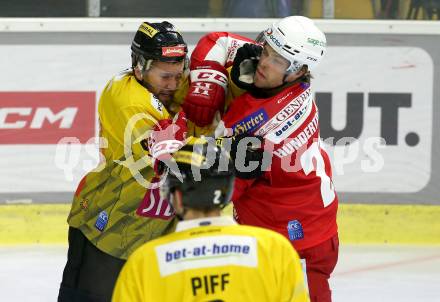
[{"x": 306, "y": 78}]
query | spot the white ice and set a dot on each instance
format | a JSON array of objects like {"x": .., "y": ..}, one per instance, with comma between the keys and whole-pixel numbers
[{"x": 364, "y": 273}]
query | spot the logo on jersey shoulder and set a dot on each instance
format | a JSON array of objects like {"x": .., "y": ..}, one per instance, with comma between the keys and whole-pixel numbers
[
  {"x": 84, "y": 203},
  {"x": 291, "y": 124},
  {"x": 250, "y": 123},
  {"x": 101, "y": 221},
  {"x": 286, "y": 112},
  {"x": 157, "y": 104},
  {"x": 295, "y": 230},
  {"x": 232, "y": 50}
]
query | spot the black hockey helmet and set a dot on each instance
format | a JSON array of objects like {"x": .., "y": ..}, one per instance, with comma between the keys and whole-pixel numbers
[
  {"x": 205, "y": 177},
  {"x": 159, "y": 41}
]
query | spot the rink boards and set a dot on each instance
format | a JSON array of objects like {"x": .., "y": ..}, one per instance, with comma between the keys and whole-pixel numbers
[{"x": 358, "y": 224}]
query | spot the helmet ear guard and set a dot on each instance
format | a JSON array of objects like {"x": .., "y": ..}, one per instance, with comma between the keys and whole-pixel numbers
[{"x": 139, "y": 62}]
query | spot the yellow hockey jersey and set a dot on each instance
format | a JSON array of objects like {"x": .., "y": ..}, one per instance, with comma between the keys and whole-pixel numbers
[
  {"x": 213, "y": 259},
  {"x": 117, "y": 206}
]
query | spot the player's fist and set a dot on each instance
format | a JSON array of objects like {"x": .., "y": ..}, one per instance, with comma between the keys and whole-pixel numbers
[
  {"x": 206, "y": 94},
  {"x": 166, "y": 137},
  {"x": 245, "y": 65}
]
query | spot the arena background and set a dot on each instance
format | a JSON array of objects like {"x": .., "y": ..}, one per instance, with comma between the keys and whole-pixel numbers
[
  {"x": 377, "y": 90},
  {"x": 377, "y": 81}
]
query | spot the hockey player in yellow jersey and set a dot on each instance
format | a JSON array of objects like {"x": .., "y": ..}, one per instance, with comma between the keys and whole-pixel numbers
[
  {"x": 116, "y": 207},
  {"x": 210, "y": 257}
]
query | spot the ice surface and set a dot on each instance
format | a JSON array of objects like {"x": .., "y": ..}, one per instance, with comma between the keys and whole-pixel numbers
[{"x": 364, "y": 273}]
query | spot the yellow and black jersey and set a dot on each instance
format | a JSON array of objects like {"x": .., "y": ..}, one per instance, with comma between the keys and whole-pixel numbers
[
  {"x": 213, "y": 259},
  {"x": 116, "y": 205}
]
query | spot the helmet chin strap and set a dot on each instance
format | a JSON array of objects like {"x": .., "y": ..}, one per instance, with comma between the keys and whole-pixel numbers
[
  {"x": 261, "y": 93},
  {"x": 265, "y": 93},
  {"x": 146, "y": 84}
]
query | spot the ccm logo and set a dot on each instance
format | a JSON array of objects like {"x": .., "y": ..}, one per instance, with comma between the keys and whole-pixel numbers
[
  {"x": 46, "y": 117},
  {"x": 39, "y": 117},
  {"x": 209, "y": 75},
  {"x": 215, "y": 76}
]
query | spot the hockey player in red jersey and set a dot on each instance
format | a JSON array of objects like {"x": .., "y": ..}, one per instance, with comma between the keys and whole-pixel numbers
[{"x": 292, "y": 192}]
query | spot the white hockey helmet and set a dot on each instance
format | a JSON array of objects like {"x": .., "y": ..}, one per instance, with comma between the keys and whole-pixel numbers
[{"x": 297, "y": 39}]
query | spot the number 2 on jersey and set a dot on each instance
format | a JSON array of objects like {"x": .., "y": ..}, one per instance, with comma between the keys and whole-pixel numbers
[{"x": 327, "y": 189}]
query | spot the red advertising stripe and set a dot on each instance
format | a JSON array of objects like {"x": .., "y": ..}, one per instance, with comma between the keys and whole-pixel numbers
[{"x": 46, "y": 117}]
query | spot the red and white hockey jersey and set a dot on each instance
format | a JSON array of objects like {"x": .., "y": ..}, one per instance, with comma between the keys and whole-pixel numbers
[{"x": 296, "y": 197}]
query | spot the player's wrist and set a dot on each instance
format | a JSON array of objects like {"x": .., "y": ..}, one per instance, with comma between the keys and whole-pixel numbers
[{"x": 206, "y": 94}]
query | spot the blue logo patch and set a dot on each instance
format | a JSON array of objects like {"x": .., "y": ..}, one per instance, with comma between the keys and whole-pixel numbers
[
  {"x": 295, "y": 230},
  {"x": 250, "y": 123},
  {"x": 304, "y": 85},
  {"x": 102, "y": 220}
]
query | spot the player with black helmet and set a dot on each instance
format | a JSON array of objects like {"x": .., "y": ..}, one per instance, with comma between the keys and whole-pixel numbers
[
  {"x": 116, "y": 207},
  {"x": 154, "y": 46},
  {"x": 210, "y": 257}
]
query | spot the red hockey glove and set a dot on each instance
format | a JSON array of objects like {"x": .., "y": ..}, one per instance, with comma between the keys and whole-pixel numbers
[
  {"x": 206, "y": 94},
  {"x": 166, "y": 137}
]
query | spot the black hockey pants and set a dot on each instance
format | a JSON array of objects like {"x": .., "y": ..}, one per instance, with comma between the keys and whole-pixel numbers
[{"x": 90, "y": 274}]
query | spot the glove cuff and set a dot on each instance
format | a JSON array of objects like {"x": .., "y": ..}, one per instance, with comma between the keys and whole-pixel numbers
[{"x": 210, "y": 71}]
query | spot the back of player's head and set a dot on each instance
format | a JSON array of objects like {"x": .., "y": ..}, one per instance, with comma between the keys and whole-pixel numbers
[{"x": 204, "y": 178}]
